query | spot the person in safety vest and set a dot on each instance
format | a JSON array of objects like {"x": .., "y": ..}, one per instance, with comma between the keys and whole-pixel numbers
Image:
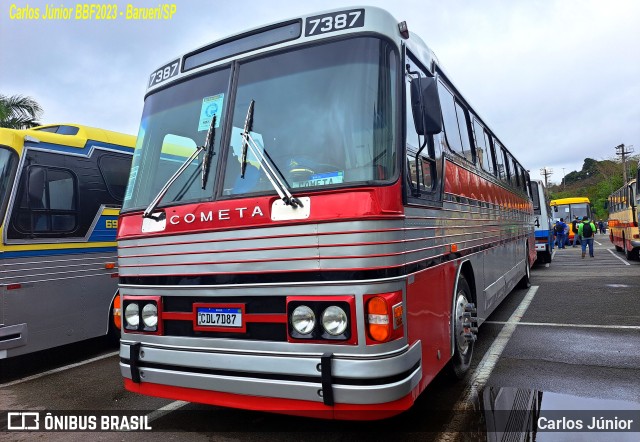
[{"x": 586, "y": 230}]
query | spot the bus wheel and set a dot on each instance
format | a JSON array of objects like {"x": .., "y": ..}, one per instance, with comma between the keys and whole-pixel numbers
[
  {"x": 629, "y": 254},
  {"x": 618, "y": 248},
  {"x": 525, "y": 282},
  {"x": 464, "y": 321}
]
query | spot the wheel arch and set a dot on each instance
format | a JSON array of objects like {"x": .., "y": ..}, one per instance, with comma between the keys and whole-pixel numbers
[{"x": 465, "y": 269}]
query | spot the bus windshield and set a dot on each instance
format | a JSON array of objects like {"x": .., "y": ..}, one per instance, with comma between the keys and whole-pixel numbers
[
  {"x": 324, "y": 115},
  {"x": 570, "y": 211},
  {"x": 8, "y": 162}
]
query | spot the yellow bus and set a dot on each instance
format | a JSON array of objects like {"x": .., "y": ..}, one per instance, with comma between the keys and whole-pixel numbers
[
  {"x": 61, "y": 188},
  {"x": 623, "y": 220},
  {"x": 568, "y": 209}
]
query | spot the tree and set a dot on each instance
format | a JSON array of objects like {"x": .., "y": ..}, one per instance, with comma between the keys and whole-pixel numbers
[{"x": 19, "y": 112}]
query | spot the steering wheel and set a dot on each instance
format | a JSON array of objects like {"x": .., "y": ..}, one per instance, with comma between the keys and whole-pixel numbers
[{"x": 303, "y": 167}]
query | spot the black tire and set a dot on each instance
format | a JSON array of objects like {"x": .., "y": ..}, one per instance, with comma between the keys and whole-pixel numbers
[
  {"x": 547, "y": 257},
  {"x": 624, "y": 249},
  {"x": 525, "y": 282},
  {"x": 463, "y": 349},
  {"x": 632, "y": 254}
]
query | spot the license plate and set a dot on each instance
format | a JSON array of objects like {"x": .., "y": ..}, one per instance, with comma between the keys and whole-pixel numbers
[{"x": 219, "y": 317}]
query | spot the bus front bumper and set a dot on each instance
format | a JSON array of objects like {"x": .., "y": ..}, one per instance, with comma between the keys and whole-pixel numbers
[{"x": 213, "y": 376}]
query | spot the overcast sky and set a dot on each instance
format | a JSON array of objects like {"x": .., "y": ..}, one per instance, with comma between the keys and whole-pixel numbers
[{"x": 558, "y": 81}]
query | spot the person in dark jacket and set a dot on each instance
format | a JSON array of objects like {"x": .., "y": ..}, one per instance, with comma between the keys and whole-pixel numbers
[
  {"x": 574, "y": 226},
  {"x": 561, "y": 237}
]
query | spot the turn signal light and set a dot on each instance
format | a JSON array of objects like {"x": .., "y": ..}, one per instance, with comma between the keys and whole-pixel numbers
[
  {"x": 378, "y": 319},
  {"x": 384, "y": 317},
  {"x": 117, "y": 312}
]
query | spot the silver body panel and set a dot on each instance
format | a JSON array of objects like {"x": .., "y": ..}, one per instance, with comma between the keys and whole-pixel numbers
[
  {"x": 421, "y": 234},
  {"x": 56, "y": 296},
  {"x": 283, "y": 364}
]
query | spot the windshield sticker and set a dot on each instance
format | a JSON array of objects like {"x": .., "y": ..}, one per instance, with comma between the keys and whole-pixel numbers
[
  {"x": 210, "y": 106},
  {"x": 132, "y": 181},
  {"x": 321, "y": 179}
]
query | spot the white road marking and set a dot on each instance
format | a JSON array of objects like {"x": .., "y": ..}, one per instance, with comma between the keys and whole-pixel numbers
[
  {"x": 482, "y": 372},
  {"x": 58, "y": 370},
  {"x": 160, "y": 412},
  {"x": 553, "y": 255},
  {"x": 597, "y": 242},
  {"x": 551, "y": 324},
  {"x": 623, "y": 261}
]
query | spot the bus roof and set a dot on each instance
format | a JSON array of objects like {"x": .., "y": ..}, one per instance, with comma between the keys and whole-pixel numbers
[
  {"x": 278, "y": 35},
  {"x": 572, "y": 200},
  {"x": 15, "y": 138}
]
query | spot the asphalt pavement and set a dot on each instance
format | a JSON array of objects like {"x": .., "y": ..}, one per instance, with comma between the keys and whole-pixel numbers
[{"x": 574, "y": 338}]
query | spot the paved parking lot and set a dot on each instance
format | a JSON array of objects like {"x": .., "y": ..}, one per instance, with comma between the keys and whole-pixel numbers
[{"x": 572, "y": 341}]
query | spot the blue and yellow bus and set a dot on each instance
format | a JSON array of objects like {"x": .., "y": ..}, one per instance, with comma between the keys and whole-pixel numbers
[{"x": 61, "y": 188}]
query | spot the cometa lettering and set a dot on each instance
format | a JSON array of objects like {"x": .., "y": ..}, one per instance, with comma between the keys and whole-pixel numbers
[{"x": 215, "y": 216}]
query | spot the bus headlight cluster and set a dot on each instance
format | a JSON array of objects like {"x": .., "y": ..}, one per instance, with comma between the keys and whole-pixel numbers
[
  {"x": 319, "y": 320},
  {"x": 141, "y": 315}
]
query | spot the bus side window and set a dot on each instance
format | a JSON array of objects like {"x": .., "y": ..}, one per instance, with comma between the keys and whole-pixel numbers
[
  {"x": 48, "y": 201},
  {"x": 115, "y": 172},
  {"x": 500, "y": 163},
  {"x": 483, "y": 147},
  {"x": 451, "y": 136},
  {"x": 464, "y": 133},
  {"x": 426, "y": 179}
]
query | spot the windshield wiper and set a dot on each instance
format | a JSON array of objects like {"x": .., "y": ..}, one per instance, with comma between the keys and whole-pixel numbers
[
  {"x": 248, "y": 123},
  {"x": 208, "y": 153},
  {"x": 208, "y": 148},
  {"x": 273, "y": 174}
]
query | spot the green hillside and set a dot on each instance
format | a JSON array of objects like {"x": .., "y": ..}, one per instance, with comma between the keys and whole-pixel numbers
[{"x": 597, "y": 180}]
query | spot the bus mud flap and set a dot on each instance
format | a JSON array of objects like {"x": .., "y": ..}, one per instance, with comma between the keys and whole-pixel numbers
[
  {"x": 134, "y": 360},
  {"x": 327, "y": 388}
]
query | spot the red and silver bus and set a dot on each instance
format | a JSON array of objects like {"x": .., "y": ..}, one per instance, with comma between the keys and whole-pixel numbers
[{"x": 316, "y": 222}]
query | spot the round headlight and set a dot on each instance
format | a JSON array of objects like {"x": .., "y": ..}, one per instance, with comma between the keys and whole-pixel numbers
[
  {"x": 303, "y": 319},
  {"x": 334, "y": 320},
  {"x": 132, "y": 315},
  {"x": 150, "y": 315}
]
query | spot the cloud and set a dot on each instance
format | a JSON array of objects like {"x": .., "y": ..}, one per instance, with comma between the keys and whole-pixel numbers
[{"x": 558, "y": 81}]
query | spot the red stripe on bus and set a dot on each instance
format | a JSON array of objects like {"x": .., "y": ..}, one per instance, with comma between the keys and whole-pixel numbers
[{"x": 356, "y": 204}]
